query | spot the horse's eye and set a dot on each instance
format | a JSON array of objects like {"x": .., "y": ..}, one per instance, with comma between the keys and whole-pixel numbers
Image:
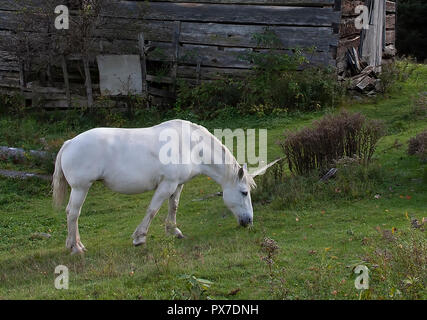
[{"x": 244, "y": 193}]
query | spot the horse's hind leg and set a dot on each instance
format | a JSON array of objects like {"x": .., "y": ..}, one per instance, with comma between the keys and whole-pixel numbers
[
  {"x": 77, "y": 197},
  {"x": 163, "y": 192},
  {"x": 171, "y": 217}
]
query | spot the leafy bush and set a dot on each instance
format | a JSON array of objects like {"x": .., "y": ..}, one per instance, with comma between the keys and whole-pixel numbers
[
  {"x": 331, "y": 138},
  {"x": 11, "y": 103},
  {"x": 208, "y": 99},
  {"x": 278, "y": 82},
  {"x": 418, "y": 145},
  {"x": 396, "y": 72}
]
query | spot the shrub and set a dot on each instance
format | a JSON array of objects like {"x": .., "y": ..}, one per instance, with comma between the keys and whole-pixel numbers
[
  {"x": 208, "y": 99},
  {"x": 396, "y": 72},
  {"x": 11, "y": 104},
  {"x": 278, "y": 82},
  {"x": 418, "y": 145},
  {"x": 331, "y": 138}
]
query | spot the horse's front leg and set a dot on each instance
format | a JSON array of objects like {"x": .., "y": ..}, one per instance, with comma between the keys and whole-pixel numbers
[
  {"x": 171, "y": 217},
  {"x": 163, "y": 192}
]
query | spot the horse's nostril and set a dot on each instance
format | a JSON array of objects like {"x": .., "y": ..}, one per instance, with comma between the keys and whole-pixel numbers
[{"x": 245, "y": 221}]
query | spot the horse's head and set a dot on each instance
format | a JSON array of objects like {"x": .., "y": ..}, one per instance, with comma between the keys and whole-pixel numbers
[
  {"x": 237, "y": 197},
  {"x": 237, "y": 193}
]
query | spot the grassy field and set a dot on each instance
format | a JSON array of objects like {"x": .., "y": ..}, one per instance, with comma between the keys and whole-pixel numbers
[{"x": 320, "y": 241}]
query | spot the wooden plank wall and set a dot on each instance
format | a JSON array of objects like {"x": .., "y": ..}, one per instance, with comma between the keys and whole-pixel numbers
[
  {"x": 216, "y": 33},
  {"x": 213, "y": 36},
  {"x": 349, "y": 36}
]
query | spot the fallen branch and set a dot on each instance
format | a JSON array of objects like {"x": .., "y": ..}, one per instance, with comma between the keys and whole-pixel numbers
[{"x": 23, "y": 175}]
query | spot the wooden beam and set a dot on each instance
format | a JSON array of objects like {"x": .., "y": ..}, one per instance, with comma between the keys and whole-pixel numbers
[{"x": 251, "y": 14}]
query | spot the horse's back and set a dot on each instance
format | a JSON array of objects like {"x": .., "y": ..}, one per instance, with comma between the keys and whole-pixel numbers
[{"x": 127, "y": 160}]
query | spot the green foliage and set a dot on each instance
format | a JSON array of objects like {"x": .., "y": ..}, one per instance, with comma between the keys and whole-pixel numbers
[
  {"x": 395, "y": 73},
  {"x": 11, "y": 104},
  {"x": 279, "y": 82},
  {"x": 197, "y": 288},
  {"x": 209, "y": 99}
]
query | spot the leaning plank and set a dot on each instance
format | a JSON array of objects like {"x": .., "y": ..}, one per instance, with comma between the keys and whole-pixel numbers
[
  {"x": 346, "y": 44},
  {"x": 264, "y": 15}
]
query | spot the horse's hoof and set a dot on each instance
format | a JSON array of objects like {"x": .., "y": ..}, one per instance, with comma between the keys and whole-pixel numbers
[
  {"x": 180, "y": 235},
  {"x": 81, "y": 246},
  {"x": 139, "y": 241},
  {"x": 76, "y": 250},
  {"x": 175, "y": 232}
]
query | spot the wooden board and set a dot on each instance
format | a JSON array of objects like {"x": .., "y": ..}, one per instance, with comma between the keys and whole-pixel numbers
[
  {"x": 227, "y": 35},
  {"x": 12, "y": 5},
  {"x": 250, "y": 14},
  {"x": 304, "y": 3}
]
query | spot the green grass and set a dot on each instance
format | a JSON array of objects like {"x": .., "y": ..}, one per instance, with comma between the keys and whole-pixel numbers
[{"x": 318, "y": 241}]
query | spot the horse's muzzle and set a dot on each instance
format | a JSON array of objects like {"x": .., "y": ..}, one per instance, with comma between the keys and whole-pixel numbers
[{"x": 245, "y": 221}]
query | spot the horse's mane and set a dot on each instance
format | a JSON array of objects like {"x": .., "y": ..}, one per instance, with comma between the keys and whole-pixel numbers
[{"x": 231, "y": 164}]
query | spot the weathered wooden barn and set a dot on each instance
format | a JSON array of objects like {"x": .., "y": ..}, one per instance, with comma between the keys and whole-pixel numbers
[{"x": 198, "y": 40}]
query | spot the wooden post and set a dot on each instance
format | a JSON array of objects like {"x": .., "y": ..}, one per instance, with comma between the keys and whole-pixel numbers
[
  {"x": 66, "y": 80},
  {"x": 88, "y": 81},
  {"x": 141, "y": 43},
  {"x": 175, "y": 46}
]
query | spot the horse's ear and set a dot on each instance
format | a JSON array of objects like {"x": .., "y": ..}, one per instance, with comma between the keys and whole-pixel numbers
[{"x": 241, "y": 173}]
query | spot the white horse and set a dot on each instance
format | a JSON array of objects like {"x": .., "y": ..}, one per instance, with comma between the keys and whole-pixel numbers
[{"x": 128, "y": 162}]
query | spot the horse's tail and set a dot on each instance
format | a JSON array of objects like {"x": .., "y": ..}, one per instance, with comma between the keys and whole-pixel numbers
[{"x": 59, "y": 183}]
